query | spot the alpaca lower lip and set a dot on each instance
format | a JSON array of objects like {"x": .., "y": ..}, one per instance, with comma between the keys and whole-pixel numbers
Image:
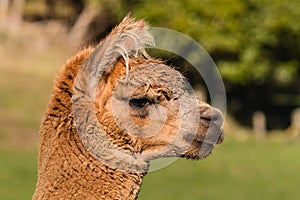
[
  {"x": 203, "y": 145},
  {"x": 199, "y": 151},
  {"x": 206, "y": 148},
  {"x": 214, "y": 135}
]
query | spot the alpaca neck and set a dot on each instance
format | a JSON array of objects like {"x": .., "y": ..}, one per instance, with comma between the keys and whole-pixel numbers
[{"x": 66, "y": 171}]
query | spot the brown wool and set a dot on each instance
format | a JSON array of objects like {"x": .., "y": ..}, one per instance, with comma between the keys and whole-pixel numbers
[{"x": 68, "y": 170}]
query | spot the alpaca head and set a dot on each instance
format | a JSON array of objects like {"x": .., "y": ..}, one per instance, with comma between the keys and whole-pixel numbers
[{"x": 130, "y": 109}]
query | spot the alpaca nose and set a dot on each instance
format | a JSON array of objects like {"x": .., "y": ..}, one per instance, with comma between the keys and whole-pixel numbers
[
  {"x": 215, "y": 116},
  {"x": 211, "y": 114}
]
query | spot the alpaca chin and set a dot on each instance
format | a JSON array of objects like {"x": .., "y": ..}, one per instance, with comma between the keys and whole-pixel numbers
[{"x": 210, "y": 133}]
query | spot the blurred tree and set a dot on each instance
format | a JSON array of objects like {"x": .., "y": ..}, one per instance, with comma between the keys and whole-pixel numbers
[
  {"x": 248, "y": 39},
  {"x": 11, "y": 15},
  {"x": 255, "y": 44},
  {"x": 86, "y": 20},
  {"x": 80, "y": 28}
]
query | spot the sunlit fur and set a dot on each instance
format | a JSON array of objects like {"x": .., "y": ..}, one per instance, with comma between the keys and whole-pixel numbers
[{"x": 67, "y": 170}]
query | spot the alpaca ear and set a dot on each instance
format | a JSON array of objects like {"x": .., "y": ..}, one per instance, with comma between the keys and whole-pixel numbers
[{"x": 128, "y": 39}]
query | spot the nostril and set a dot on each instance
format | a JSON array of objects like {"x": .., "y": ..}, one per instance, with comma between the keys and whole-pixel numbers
[
  {"x": 211, "y": 114},
  {"x": 205, "y": 111}
]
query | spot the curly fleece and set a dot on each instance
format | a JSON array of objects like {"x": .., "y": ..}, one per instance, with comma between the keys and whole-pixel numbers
[{"x": 66, "y": 170}]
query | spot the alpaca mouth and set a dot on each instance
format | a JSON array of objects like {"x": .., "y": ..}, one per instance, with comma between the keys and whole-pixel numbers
[
  {"x": 206, "y": 148},
  {"x": 202, "y": 145}
]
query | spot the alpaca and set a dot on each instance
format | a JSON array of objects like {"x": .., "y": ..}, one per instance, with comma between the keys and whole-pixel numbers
[{"x": 113, "y": 109}]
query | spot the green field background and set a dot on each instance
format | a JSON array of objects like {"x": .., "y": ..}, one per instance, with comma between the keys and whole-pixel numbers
[
  {"x": 236, "y": 170},
  {"x": 240, "y": 168}
]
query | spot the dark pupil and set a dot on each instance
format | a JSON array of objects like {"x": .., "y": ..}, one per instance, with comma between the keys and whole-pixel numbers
[{"x": 140, "y": 103}]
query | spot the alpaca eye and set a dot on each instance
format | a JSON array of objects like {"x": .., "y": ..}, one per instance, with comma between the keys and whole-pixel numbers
[{"x": 138, "y": 103}]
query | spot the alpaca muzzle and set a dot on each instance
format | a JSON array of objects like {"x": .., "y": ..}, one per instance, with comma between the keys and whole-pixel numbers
[{"x": 210, "y": 132}]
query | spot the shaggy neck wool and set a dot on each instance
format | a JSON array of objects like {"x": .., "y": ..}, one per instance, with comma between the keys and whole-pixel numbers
[{"x": 66, "y": 169}]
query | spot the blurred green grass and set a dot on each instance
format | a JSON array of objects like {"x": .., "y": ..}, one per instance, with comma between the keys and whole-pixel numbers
[
  {"x": 26, "y": 78},
  {"x": 18, "y": 171},
  {"x": 236, "y": 170}
]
